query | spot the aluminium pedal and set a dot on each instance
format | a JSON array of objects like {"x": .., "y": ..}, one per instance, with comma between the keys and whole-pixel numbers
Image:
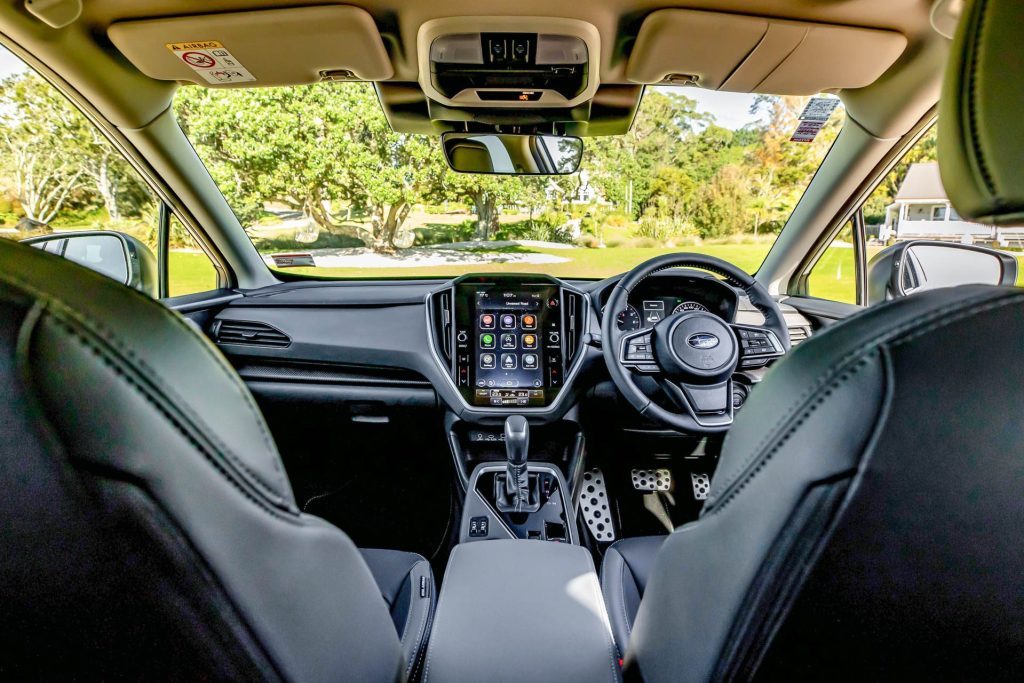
[
  {"x": 652, "y": 480},
  {"x": 701, "y": 485},
  {"x": 595, "y": 506}
]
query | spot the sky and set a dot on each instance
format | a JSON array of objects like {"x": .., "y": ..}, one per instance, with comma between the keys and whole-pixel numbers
[
  {"x": 730, "y": 109},
  {"x": 9, "y": 64}
]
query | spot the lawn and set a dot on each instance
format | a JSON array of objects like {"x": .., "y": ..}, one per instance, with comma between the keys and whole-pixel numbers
[
  {"x": 582, "y": 263},
  {"x": 189, "y": 272}
]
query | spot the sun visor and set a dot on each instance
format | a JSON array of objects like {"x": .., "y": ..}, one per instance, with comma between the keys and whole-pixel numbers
[
  {"x": 260, "y": 48},
  {"x": 752, "y": 54}
]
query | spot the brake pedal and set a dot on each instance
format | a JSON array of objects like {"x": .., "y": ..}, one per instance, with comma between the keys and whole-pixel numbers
[
  {"x": 595, "y": 506},
  {"x": 701, "y": 485},
  {"x": 652, "y": 480}
]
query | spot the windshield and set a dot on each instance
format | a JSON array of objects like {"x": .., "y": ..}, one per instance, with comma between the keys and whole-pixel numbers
[{"x": 323, "y": 185}]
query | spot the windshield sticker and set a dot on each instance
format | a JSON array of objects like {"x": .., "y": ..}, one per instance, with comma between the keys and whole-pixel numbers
[
  {"x": 819, "y": 109},
  {"x": 211, "y": 60},
  {"x": 806, "y": 131}
]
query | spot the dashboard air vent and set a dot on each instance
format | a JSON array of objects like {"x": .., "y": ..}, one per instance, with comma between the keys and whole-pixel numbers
[
  {"x": 574, "y": 323},
  {"x": 249, "y": 333},
  {"x": 797, "y": 335},
  {"x": 443, "y": 318}
]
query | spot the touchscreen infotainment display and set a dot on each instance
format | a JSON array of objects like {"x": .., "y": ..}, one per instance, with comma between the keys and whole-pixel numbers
[
  {"x": 508, "y": 349},
  {"x": 509, "y": 343}
]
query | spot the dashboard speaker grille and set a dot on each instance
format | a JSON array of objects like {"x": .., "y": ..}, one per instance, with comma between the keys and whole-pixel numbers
[{"x": 249, "y": 333}]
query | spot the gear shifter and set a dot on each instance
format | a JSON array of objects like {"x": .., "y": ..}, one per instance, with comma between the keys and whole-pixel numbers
[
  {"x": 517, "y": 444},
  {"x": 515, "y": 489}
]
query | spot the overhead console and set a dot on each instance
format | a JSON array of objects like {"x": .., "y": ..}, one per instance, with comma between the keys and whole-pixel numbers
[{"x": 508, "y": 62}]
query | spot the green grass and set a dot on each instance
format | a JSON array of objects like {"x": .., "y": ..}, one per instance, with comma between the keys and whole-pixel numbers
[
  {"x": 582, "y": 263},
  {"x": 190, "y": 272}
]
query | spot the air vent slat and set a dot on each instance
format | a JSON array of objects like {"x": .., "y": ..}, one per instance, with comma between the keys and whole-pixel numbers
[
  {"x": 250, "y": 333},
  {"x": 798, "y": 335}
]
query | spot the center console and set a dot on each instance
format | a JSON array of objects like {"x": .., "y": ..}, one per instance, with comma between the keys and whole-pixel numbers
[{"x": 521, "y": 611}]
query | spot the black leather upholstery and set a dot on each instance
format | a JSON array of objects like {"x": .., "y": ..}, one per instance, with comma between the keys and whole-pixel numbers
[
  {"x": 406, "y": 583},
  {"x": 149, "y": 530},
  {"x": 981, "y": 131},
  {"x": 625, "y": 570},
  {"x": 864, "y": 520}
]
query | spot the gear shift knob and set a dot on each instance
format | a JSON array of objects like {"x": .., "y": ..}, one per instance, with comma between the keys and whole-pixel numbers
[{"x": 517, "y": 439}]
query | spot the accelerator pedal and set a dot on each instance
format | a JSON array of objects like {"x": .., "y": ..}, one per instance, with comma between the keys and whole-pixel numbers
[
  {"x": 595, "y": 506},
  {"x": 701, "y": 485}
]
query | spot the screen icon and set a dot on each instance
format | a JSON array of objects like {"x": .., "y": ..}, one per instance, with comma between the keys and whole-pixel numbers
[
  {"x": 529, "y": 361},
  {"x": 487, "y": 341},
  {"x": 508, "y": 322},
  {"x": 486, "y": 361},
  {"x": 509, "y": 361},
  {"x": 529, "y": 321},
  {"x": 487, "y": 321},
  {"x": 508, "y": 341},
  {"x": 529, "y": 341}
]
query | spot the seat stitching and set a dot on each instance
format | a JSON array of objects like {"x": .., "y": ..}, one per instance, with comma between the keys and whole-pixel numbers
[
  {"x": 972, "y": 100},
  {"x": 419, "y": 635},
  {"x": 836, "y": 369},
  {"x": 97, "y": 328},
  {"x": 599, "y": 600},
  {"x": 896, "y": 337},
  {"x": 622, "y": 594},
  {"x": 114, "y": 365}
]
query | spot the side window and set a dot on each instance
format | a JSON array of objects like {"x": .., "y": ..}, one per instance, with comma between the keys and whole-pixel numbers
[
  {"x": 65, "y": 187},
  {"x": 834, "y": 276},
  {"x": 908, "y": 203},
  {"x": 189, "y": 269}
]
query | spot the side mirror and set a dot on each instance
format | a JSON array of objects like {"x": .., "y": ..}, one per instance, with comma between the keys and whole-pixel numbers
[
  {"x": 118, "y": 256},
  {"x": 909, "y": 267},
  {"x": 508, "y": 154}
]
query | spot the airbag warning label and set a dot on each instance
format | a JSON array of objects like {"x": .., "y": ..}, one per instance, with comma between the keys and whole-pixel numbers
[{"x": 211, "y": 60}]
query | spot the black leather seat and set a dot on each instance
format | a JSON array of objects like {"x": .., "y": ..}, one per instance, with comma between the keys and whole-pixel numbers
[
  {"x": 148, "y": 528},
  {"x": 625, "y": 570},
  {"x": 864, "y": 519}
]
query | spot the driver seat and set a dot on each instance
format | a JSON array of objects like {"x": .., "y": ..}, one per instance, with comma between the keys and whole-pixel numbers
[
  {"x": 148, "y": 528},
  {"x": 864, "y": 519}
]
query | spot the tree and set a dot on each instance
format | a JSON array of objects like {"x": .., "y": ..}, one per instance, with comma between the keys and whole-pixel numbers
[
  {"x": 310, "y": 148},
  {"x": 38, "y": 126},
  {"x": 623, "y": 166}
]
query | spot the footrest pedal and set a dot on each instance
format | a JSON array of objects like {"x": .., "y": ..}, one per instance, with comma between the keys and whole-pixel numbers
[{"x": 595, "y": 507}]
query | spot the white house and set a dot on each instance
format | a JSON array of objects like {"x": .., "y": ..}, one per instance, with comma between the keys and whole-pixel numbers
[{"x": 921, "y": 210}]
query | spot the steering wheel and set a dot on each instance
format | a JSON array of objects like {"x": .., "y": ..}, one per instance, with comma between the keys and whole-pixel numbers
[{"x": 691, "y": 354}]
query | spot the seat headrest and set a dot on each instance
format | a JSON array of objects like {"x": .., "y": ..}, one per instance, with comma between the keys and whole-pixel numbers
[{"x": 981, "y": 114}]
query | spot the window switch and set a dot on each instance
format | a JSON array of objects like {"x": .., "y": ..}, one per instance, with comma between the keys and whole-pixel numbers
[{"x": 478, "y": 527}]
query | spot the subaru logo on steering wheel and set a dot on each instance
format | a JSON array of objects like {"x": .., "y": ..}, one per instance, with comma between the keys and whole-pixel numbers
[{"x": 702, "y": 340}]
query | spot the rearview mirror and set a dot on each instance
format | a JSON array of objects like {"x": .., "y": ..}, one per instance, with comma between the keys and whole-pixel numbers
[
  {"x": 512, "y": 154},
  {"x": 916, "y": 266},
  {"x": 118, "y": 256}
]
